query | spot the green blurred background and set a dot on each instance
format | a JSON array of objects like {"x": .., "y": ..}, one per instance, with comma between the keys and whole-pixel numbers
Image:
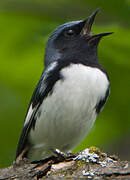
[{"x": 25, "y": 26}]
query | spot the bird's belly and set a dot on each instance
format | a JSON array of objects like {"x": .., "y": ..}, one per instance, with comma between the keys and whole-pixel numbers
[{"x": 66, "y": 116}]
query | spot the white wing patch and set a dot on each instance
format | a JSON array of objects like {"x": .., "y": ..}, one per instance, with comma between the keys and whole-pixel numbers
[
  {"x": 52, "y": 66},
  {"x": 29, "y": 114}
]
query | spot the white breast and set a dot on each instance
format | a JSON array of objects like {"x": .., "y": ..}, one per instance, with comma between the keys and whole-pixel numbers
[{"x": 68, "y": 114}]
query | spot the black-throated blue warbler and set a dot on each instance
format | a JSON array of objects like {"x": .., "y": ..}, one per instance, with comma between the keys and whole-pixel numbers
[{"x": 70, "y": 94}]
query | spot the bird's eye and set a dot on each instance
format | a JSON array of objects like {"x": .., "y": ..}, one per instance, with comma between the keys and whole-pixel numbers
[{"x": 69, "y": 33}]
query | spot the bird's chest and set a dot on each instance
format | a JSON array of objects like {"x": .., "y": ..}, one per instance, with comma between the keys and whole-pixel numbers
[
  {"x": 70, "y": 109},
  {"x": 81, "y": 89}
]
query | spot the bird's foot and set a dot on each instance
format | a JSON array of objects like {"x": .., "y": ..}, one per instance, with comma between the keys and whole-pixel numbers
[{"x": 61, "y": 156}]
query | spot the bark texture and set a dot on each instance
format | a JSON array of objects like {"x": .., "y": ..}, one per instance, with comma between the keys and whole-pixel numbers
[{"x": 88, "y": 164}]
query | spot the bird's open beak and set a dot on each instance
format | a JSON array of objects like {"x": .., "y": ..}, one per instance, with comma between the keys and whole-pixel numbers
[{"x": 88, "y": 25}]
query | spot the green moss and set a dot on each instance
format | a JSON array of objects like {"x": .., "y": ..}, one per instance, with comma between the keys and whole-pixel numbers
[
  {"x": 94, "y": 149},
  {"x": 80, "y": 163}
]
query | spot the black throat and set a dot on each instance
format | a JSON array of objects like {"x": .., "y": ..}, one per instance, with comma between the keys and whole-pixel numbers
[{"x": 93, "y": 62}]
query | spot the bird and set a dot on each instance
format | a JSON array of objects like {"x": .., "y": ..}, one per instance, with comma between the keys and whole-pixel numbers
[{"x": 70, "y": 94}]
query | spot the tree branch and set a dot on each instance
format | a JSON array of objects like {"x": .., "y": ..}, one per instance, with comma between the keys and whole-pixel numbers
[{"x": 90, "y": 163}]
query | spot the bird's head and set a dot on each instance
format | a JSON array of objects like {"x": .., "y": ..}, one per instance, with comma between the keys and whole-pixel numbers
[{"x": 73, "y": 40}]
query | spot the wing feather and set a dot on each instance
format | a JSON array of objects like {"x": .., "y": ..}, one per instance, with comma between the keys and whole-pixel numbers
[
  {"x": 27, "y": 126},
  {"x": 45, "y": 85}
]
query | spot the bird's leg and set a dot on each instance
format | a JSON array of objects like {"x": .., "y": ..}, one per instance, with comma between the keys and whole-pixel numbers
[
  {"x": 58, "y": 156},
  {"x": 63, "y": 156}
]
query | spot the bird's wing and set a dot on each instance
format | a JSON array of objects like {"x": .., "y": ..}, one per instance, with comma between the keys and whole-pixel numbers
[
  {"x": 30, "y": 118},
  {"x": 44, "y": 87}
]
